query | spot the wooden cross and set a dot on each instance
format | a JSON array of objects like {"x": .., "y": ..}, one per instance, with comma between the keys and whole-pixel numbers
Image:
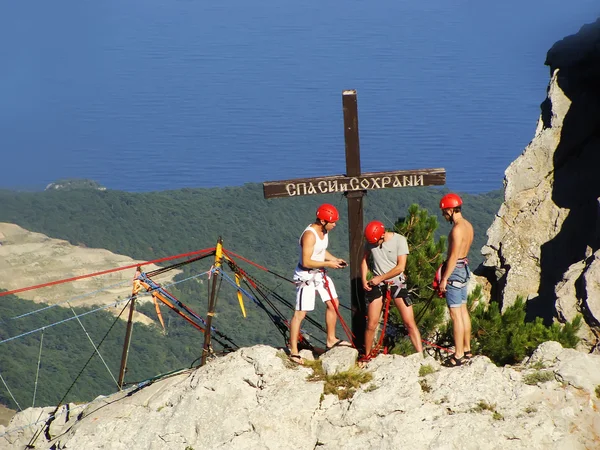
[{"x": 354, "y": 185}]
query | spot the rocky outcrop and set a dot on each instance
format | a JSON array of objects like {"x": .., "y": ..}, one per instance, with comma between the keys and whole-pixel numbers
[
  {"x": 29, "y": 259},
  {"x": 543, "y": 243},
  {"x": 253, "y": 399}
]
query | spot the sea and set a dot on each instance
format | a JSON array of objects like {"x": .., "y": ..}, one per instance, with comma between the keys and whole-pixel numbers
[{"x": 152, "y": 95}]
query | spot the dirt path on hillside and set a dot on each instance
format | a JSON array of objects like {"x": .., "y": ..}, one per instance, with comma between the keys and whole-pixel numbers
[{"x": 28, "y": 258}]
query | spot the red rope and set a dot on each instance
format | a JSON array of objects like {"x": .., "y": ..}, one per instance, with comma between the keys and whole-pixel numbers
[
  {"x": 241, "y": 271},
  {"x": 229, "y": 252},
  {"x": 104, "y": 272},
  {"x": 447, "y": 350},
  {"x": 388, "y": 300},
  {"x": 337, "y": 311}
]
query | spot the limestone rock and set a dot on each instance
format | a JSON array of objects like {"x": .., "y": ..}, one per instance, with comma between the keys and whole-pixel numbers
[
  {"x": 253, "y": 399},
  {"x": 546, "y": 230}
]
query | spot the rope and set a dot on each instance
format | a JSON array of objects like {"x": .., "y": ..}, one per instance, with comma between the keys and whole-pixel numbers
[
  {"x": 29, "y": 425},
  {"x": 228, "y": 252},
  {"x": 425, "y": 308},
  {"x": 93, "y": 345},
  {"x": 103, "y": 272},
  {"x": 278, "y": 318},
  {"x": 36, "y": 435},
  {"x": 10, "y": 393},
  {"x": 37, "y": 373},
  {"x": 65, "y": 320},
  {"x": 337, "y": 311},
  {"x": 77, "y": 297},
  {"x": 162, "y": 270},
  {"x": 89, "y": 312},
  {"x": 284, "y": 302},
  {"x": 388, "y": 300}
]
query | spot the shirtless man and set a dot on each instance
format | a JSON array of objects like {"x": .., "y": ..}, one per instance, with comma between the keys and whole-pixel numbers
[
  {"x": 310, "y": 279},
  {"x": 455, "y": 276}
]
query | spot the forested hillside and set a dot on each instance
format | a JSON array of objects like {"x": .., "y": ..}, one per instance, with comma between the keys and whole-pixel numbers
[{"x": 152, "y": 225}]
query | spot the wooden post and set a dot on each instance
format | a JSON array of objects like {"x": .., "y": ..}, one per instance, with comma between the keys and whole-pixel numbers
[
  {"x": 213, "y": 301},
  {"x": 354, "y": 184},
  {"x": 129, "y": 330},
  {"x": 355, "y": 216}
]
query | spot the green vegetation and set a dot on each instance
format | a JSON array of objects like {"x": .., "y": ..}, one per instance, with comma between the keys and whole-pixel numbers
[
  {"x": 152, "y": 225},
  {"x": 426, "y": 369},
  {"x": 507, "y": 339},
  {"x": 426, "y": 254},
  {"x": 598, "y": 391},
  {"x": 65, "y": 351},
  {"x": 538, "y": 376},
  {"x": 425, "y": 386},
  {"x": 342, "y": 384},
  {"x": 482, "y": 405},
  {"x": 497, "y": 416}
]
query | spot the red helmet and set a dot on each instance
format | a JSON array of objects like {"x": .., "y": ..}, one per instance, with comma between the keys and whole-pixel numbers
[
  {"x": 328, "y": 213},
  {"x": 450, "y": 201},
  {"x": 374, "y": 231}
]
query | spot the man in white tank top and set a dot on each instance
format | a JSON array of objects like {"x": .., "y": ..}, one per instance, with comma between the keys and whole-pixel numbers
[{"x": 310, "y": 279}]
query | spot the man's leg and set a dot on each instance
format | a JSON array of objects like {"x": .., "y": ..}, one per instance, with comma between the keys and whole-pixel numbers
[
  {"x": 408, "y": 317},
  {"x": 459, "y": 330},
  {"x": 331, "y": 321},
  {"x": 373, "y": 316},
  {"x": 295, "y": 330},
  {"x": 466, "y": 319}
]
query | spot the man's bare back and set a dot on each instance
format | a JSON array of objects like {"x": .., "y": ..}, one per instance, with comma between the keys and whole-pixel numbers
[{"x": 461, "y": 237}]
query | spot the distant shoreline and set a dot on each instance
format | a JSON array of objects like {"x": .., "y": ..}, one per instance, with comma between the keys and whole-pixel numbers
[{"x": 43, "y": 188}]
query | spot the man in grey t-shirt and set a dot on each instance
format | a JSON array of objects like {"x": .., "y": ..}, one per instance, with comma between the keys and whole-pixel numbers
[{"x": 388, "y": 252}]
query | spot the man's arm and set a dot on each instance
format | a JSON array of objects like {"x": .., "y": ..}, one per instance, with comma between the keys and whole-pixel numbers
[
  {"x": 364, "y": 270},
  {"x": 338, "y": 262},
  {"x": 308, "y": 242},
  {"x": 455, "y": 238},
  {"x": 394, "y": 272}
]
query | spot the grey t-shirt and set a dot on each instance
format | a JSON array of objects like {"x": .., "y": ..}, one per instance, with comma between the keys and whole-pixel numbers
[{"x": 386, "y": 257}]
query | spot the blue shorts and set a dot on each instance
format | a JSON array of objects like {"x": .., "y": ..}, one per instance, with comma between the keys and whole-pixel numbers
[{"x": 456, "y": 289}]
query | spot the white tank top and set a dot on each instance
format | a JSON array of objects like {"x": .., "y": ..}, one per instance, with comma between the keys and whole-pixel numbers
[{"x": 318, "y": 250}]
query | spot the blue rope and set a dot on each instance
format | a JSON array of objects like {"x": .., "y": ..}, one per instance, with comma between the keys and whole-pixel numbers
[
  {"x": 66, "y": 320},
  {"x": 77, "y": 297}
]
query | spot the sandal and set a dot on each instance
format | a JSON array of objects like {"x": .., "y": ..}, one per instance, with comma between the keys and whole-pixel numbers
[
  {"x": 297, "y": 359},
  {"x": 453, "y": 361},
  {"x": 468, "y": 355}
]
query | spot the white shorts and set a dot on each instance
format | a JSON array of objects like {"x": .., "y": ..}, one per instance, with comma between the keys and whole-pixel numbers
[{"x": 307, "y": 285}]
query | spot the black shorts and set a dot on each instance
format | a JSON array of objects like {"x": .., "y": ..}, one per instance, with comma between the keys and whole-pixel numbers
[
  {"x": 375, "y": 293},
  {"x": 381, "y": 291}
]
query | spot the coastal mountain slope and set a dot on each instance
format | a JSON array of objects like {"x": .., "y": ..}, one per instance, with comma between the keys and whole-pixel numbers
[{"x": 29, "y": 259}]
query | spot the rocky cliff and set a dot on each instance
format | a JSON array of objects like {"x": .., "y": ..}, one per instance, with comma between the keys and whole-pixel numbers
[
  {"x": 544, "y": 243},
  {"x": 255, "y": 399}
]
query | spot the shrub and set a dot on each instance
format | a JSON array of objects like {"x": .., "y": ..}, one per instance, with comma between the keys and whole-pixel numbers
[
  {"x": 425, "y": 369},
  {"x": 539, "y": 376},
  {"x": 342, "y": 384},
  {"x": 507, "y": 338}
]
